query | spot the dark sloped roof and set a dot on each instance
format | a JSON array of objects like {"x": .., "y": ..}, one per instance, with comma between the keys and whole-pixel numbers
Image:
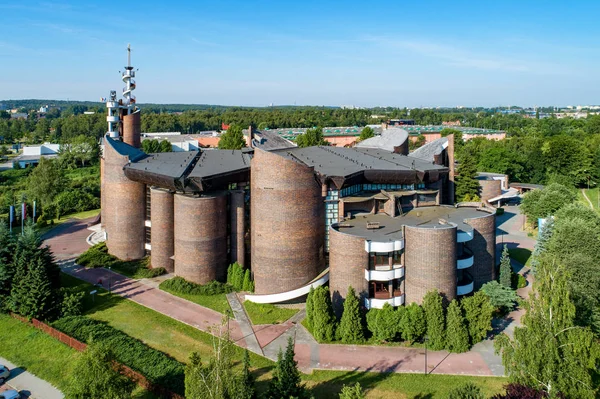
[
  {"x": 125, "y": 149},
  {"x": 268, "y": 140}
]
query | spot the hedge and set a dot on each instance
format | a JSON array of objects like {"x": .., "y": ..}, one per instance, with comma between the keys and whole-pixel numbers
[
  {"x": 155, "y": 365},
  {"x": 98, "y": 256},
  {"x": 182, "y": 286}
]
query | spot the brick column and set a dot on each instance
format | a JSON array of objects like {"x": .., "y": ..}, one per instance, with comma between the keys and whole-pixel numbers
[
  {"x": 237, "y": 222},
  {"x": 162, "y": 238}
]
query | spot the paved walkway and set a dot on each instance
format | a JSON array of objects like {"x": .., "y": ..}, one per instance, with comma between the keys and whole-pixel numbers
[
  {"x": 69, "y": 240},
  {"x": 586, "y": 198},
  {"x": 28, "y": 384}
]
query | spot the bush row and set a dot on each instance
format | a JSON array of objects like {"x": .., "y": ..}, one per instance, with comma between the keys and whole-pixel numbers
[
  {"x": 158, "y": 367},
  {"x": 98, "y": 256},
  {"x": 182, "y": 286}
]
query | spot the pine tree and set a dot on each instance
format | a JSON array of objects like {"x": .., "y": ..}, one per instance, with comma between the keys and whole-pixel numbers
[
  {"x": 7, "y": 267},
  {"x": 351, "y": 328},
  {"x": 246, "y": 389},
  {"x": 434, "y": 313},
  {"x": 413, "y": 323},
  {"x": 352, "y": 392},
  {"x": 457, "y": 337},
  {"x": 478, "y": 311},
  {"x": 246, "y": 285},
  {"x": 309, "y": 308},
  {"x": 323, "y": 319},
  {"x": 40, "y": 300},
  {"x": 549, "y": 351},
  {"x": 505, "y": 268},
  {"x": 466, "y": 179},
  {"x": 286, "y": 382}
]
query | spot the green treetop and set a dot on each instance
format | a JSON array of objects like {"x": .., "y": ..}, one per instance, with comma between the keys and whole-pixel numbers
[
  {"x": 505, "y": 268},
  {"x": 232, "y": 139},
  {"x": 366, "y": 133},
  {"x": 434, "y": 313},
  {"x": 311, "y": 137}
]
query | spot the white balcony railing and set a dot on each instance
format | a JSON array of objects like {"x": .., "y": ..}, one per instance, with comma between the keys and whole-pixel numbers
[
  {"x": 385, "y": 275},
  {"x": 464, "y": 236},
  {"x": 464, "y": 289},
  {"x": 464, "y": 263},
  {"x": 371, "y": 303},
  {"x": 386, "y": 246}
]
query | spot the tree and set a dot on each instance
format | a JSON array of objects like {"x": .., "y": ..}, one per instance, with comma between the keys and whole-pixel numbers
[
  {"x": 232, "y": 139},
  {"x": 309, "y": 308},
  {"x": 7, "y": 269},
  {"x": 549, "y": 351},
  {"x": 466, "y": 391},
  {"x": 311, "y": 138},
  {"x": 84, "y": 149},
  {"x": 246, "y": 381},
  {"x": 93, "y": 376},
  {"x": 46, "y": 181},
  {"x": 543, "y": 203},
  {"x": 466, "y": 179},
  {"x": 352, "y": 392},
  {"x": 323, "y": 318},
  {"x": 520, "y": 391},
  {"x": 36, "y": 299},
  {"x": 500, "y": 297},
  {"x": 387, "y": 323},
  {"x": 505, "y": 268},
  {"x": 286, "y": 382},
  {"x": 351, "y": 328},
  {"x": 541, "y": 244},
  {"x": 413, "y": 323},
  {"x": 434, "y": 314},
  {"x": 247, "y": 285},
  {"x": 72, "y": 304},
  {"x": 478, "y": 312},
  {"x": 457, "y": 337},
  {"x": 366, "y": 133}
]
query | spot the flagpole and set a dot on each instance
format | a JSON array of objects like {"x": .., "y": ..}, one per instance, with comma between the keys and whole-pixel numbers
[{"x": 22, "y": 218}]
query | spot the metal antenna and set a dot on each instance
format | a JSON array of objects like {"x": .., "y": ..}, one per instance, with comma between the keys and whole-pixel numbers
[{"x": 128, "y": 54}]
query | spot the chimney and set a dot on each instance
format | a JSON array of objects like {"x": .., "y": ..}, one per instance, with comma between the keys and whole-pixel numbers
[{"x": 249, "y": 137}]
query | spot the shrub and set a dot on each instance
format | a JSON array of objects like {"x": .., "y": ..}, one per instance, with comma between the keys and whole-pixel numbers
[
  {"x": 434, "y": 312},
  {"x": 236, "y": 277},
  {"x": 478, "y": 312},
  {"x": 323, "y": 319},
  {"x": 519, "y": 391},
  {"x": 352, "y": 392},
  {"x": 72, "y": 304},
  {"x": 351, "y": 328},
  {"x": 521, "y": 281},
  {"x": 466, "y": 391},
  {"x": 499, "y": 211},
  {"x": 96, "y": 256},
  {"x": 151, "y": 273},
  {"x": 500, "y": 296},
  {"x": 457, "y": 336},
  {"x": 182, "y": 286},
  {"x": 413, "y": 323},
  {"x": 158, "y": 367},
  {"x": 387, "y": 323}
]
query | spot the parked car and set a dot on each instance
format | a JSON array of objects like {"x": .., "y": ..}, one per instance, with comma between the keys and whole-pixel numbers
[
  {"x": 10, "y": 394},
  {"x": 4, "y": 374}
]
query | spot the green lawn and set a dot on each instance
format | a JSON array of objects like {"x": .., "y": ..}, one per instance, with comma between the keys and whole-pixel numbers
[
  {"x": 521, "y": 255},
  {"x": 179, "y": 340},
  {"x": 592, "y": 194},
  {"x": 267, "y": 314},
  {"x": 41, "y": 354},
  {"x": 327, "y": 384},
  {"x": 216, "y": 302}
]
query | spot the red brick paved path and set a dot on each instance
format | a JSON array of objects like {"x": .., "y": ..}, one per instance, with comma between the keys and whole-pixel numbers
[{"x": 69, "y": 240}]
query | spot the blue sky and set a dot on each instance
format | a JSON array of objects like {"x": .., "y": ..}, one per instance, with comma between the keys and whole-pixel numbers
[{"x": 396, "y": 53}]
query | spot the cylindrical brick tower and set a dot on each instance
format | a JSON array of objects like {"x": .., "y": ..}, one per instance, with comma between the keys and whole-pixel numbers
[
  {"x": 483, "y": 246},
  {"x": 201, "y": 237},
  {"x": 288, "y": 223},
  {"x": 123, "y": 207},
  {"x": 132, "y": 129},
  {"x": 430, "y": 262},
  {"x": 237, "y": 223},
  {"x": 102, "y": 191},
  {"x": 489, "y": 189},
  {"x": 162, "y": 238},
  {"x": 347, "y": 263}
]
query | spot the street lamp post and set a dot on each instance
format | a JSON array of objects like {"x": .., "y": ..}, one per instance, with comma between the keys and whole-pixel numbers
[
  {"x": 109, "y": 278},
  {"x": 425, "y": 340}
]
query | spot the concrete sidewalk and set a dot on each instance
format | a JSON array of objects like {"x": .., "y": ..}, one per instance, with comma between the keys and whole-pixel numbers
[{"x": 28, "y": 384}]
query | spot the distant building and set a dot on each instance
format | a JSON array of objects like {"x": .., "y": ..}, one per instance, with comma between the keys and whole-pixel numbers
[
  {"x": 18, "y": 115},
  {"x": 32, "y": 154},
  {"x": 451, "y": 123}
]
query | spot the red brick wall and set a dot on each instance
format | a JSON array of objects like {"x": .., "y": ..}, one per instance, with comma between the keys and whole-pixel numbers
[
  {"x": 124, "y": 208},
  {"x": 288, "y": 223},
  {"x": 483, "y": 246},
  {"x": 162, "y": 233},
  {"x": 489, "y": 189},
  {"x": 132, "y": 130},
  {"x": 201, "y": 237},
  {"x": 430, "y": 262},
  {"x": 347, "y": 263},
  {"x": 238, "y": 217}
]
